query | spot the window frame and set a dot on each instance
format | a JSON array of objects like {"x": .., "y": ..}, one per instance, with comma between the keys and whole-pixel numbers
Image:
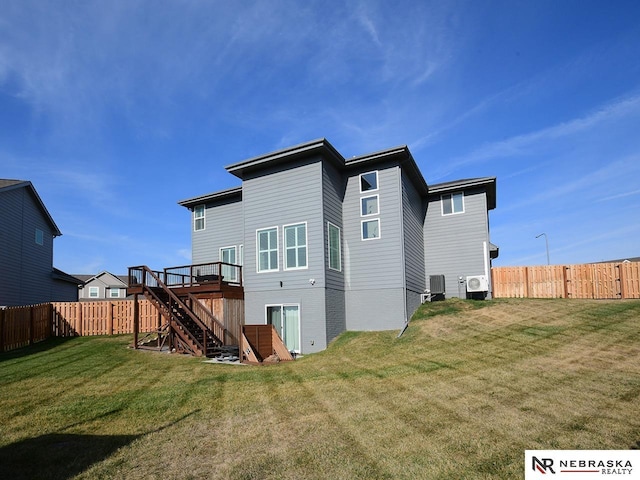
[
  {"x": 297, "y": 247},
  {"x": 233, "y": 277},
  {"x": 258, "y": 251},
  {"x": 369, "y": 220},
  {"x": 362, "y": 199},
  {"x": 282, "y": 306},
  {"x": 112, "y": 291},
  {"x": 94, "y": 289},
  {"x": 329, "y": 225},
  {"x": 39, "y": 237},
  {"x": 196, "y": 217},
  {"x": 377, "y": 181},
  {"x": 450, "y": 198}
]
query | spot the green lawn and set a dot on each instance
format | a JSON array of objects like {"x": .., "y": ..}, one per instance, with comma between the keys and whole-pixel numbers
[{"x": 462, "y": 394}]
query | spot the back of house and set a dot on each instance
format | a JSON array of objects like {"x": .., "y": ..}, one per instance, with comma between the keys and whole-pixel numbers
[{"x": 330, "y": 244}]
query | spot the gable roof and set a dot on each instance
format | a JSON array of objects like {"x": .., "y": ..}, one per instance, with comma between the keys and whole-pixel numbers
[
  {"x": 123, "y": 279},
  {"x": 6, "y": 185},
  {"x": 467, "y": 183},
  {"x": 320, "y": 147}
]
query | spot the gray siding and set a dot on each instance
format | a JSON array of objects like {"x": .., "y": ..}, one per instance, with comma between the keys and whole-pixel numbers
[
  {"x": 103, "y": 282},
  {"x": 374, "y": 268},
  {"x": 284, "y": 196},
  {"x": 454, "y": 243},
  {"x": 334, "y": 186},
  {"x": 413, "y": 211},
  {"x": 223, "y": 228},
  {"x": 25, "y": 267},
  {"x": 312, "y": 313}
]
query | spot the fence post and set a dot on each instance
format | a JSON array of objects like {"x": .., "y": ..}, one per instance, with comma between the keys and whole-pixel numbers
[
  {"x": 565, "y": 283},
  {"x": 526, "y": 282},
  {"x": 623, "y": 293},
  {"x": 80, "y": 309},
  {"x": 110, "y": 319},
  {"x": 2, "y": 310},
  {"x": 31, "y": 325}
]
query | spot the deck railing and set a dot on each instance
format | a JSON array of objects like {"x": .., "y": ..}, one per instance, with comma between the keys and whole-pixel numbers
[{"x": 190, "y": 275}]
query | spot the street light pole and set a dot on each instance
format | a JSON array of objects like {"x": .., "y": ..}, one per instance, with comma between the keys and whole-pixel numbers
[{"x": 546, "y": 241}]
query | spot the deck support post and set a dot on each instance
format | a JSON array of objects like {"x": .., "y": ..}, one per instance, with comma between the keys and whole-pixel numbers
[{"x": 136, "y": 320}]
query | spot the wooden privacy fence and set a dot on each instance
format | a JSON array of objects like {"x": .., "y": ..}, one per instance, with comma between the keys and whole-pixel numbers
[
  {"x": 22, "y": 326},
  {"x": 591, "y": 280}
]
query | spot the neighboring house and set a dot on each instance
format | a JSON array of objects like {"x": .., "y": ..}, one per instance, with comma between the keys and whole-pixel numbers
[
  {"x": 27, "y": 275},
  {"x": 330, "y": 244},
  {"x": 104, "y": 286}
]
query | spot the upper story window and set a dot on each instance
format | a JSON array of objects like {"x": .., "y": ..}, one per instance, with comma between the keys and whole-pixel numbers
[
  {"x": 198, "y": 218},
  {"x": 295, "y": 246},
  {"x": 39, "y": 237},
  {"x": 267, "y": 241},
  {"x": 371, "y": 229},
  {"x": 369, "y": 205},
  {"x": 228, "y": 255},
  {"x": 114, "y": 292},
  {"x": 335, "y": 248},
  {"x": 368, "y": 182},
  {"x": 94, "y": 292},
  {"x": 452, "y": 203}
]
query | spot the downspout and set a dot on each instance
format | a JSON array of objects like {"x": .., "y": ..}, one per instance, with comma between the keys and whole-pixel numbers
[{"x": 402, "y": 253}]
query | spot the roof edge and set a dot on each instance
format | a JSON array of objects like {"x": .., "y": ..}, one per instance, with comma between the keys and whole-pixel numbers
[{"x": 219, "y": 195}]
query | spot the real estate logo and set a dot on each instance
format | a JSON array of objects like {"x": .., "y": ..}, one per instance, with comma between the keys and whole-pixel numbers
[{"x": 582, "y": 464}]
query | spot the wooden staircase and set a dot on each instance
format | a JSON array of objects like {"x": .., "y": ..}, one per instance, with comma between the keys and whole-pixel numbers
[{"x": 192, "y": 328}]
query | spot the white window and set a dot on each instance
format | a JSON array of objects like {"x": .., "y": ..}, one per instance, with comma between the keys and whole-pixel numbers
[
  {"x": 286, "y": 320},
  {"x": 198, "y": 218},
  {"x": 368, "y": 182},
  {"x": 370, "y": 229},
  {"x": 267, "y": 251},
  {"x": 39, "y": 237},
  {"x": 369, "y": 206},
  {"x": 94, "y": 292},
  {"x": 114, "y": 292},
  {"x": 335, "y": 248},
  {"x": 295, "y": 246},
  {"x": 452, "y": 203},
  {"x": 228, "y": 255}
]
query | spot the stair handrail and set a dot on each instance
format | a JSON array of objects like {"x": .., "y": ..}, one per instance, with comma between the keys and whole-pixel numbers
[
  {"x": 219, "y": 330},
  {"x": 180, "y": 303}
]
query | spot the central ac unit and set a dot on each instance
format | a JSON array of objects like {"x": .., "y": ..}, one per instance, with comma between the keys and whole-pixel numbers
[{"x": 477, "y": 283}]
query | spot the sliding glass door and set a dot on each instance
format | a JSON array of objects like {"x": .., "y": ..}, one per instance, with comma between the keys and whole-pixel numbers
[{"x": 286, "y": 320}]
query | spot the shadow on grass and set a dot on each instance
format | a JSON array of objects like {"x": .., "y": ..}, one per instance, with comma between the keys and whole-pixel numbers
[
  {"x": 57, "y": 456},
  {"x": 39, "y": 347}
]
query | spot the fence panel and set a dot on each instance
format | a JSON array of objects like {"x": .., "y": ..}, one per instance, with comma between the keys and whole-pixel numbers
[
  {"x": 630, "y": 280},
  {"x": 22, "y": 326},
  {"x": 593, "y": 280}
]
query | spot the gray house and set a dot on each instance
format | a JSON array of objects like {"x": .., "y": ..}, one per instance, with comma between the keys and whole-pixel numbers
[
  {"x": 330, "y": 244},
  {"x": 103, "y": 286},
  {"x": 27, "y": 275}
]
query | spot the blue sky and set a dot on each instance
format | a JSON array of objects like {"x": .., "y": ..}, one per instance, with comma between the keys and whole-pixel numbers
[{"x": 117, "y": 110}]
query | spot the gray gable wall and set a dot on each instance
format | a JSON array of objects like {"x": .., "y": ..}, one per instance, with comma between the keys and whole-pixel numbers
[{"x": 26, "y": 268}]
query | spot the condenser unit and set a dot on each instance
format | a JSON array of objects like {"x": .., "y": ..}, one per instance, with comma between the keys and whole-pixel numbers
[
  {"x": 436, "y": 284},
  {"x": 477, "y": 283}
]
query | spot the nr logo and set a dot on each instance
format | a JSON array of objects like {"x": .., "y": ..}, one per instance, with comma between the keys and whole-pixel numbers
[{"x": 542, "y": 465}]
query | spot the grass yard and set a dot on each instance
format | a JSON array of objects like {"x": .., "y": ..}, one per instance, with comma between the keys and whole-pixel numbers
[{"x": 462, "y": 394}]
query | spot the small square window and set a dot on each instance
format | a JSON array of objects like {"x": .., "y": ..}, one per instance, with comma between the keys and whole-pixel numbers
[
  {"x": 368, "y": 182},
  {"x": 452, "y": 203},
  {"x": 39, "y": 237},
  {"x": 198, "y": 218},
  {"x": 94, "y": 292},
  {"x": 369, "y": 206},
  {"x": 114, "y": 292},
  {"x": 371, "y": 229}
]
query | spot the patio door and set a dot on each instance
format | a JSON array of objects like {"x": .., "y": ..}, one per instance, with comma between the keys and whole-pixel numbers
[
  {"x": 286, "y": 320},
  {"x": 228, "y": 255}
]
